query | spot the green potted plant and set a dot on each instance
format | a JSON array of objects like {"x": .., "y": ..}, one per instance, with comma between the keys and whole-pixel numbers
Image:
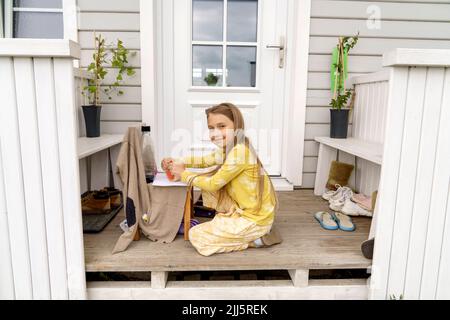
[
  {"x": 339, "y": 113},
  {"x": 211, "y": 79},
  {"x": 118, "y": 60}
]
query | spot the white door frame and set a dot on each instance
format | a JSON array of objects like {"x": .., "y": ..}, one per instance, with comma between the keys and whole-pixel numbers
[{"x": 294, "y": 118}]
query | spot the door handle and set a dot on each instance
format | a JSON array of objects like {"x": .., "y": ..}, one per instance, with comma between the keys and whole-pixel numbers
[{"x": 281, "y": 49}]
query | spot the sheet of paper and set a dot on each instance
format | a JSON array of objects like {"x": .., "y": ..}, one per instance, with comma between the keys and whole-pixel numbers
[{"x": 161, "y": 180}]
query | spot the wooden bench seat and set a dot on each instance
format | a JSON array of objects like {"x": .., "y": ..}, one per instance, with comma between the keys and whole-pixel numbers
[{"x": 329, "y": 150}]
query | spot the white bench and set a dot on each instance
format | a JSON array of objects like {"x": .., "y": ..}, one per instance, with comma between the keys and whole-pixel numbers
[{"x": 329, "y": 150}]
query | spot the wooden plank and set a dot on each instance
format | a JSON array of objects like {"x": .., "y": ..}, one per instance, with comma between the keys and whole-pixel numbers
[
  {"x": 321, "y": 80},
  {"x": 131, "y": 95},
  {"x": 443, "y": 287},
  {"x": 32, "y": 176},
  {"x": 39, "y": 48},
  {"x": 131, "y": 40},
  {"x": 387, "y": 196},
  {"x": 259, "y": 290},
  {"x": 106, "y": 21},
  {"x": 424, "y": 181},
  {"x": 135, "y": 80},
  {"x": 305, "y": 245},
  {"x": 117, "y": 127},
  {"x": 134, "y": 58},
  {"x": 89, "y": 146},
  {"x": 109, "y": 6},
  {"x": 379, "y": 76},
  {"x": 417, "y": 57},
  {"x": 362, "y": 149},
  {"x": 13, "y": 180},
  {"x": 299, "y": 277},
  {"x": 387, "y": 11},
  {"x": 6, "y": 272},
  {"x": 406, "y": 180},
  {"x": 159, "y": 279},
  {"x": 122, "y": 112},
  {"x": 390, "y": 29},
  {"x": 326, "y": 155},
  {"x": 437, "y": 217},
  {"x": 70, "y": 182},
  {"x": 51, "y": 177},
  {"x": 356, "y": 64},
  {"x": 308, "y": 180},
  {"x": 374, "y": 46}
]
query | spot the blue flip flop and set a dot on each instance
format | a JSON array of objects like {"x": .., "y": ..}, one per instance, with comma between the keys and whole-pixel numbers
[
  {"x": 344, "y": 222},
  {"x": 326, "y": 220}
]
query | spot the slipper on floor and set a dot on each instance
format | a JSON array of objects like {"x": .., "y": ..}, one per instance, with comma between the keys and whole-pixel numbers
[
  {"x": 326, "y": 220},
  {"x": 344, "y": 222}
]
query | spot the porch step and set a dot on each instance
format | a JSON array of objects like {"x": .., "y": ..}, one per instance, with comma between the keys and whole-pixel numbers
[{"x": 281, "y": 184}]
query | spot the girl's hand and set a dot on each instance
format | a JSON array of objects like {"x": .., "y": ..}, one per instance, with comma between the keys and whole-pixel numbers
[
  {"x": 177, "y": 169},
  {"x": 165, "y": 163}
]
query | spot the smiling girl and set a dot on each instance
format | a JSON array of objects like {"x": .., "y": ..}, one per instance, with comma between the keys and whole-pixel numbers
[{"x": 238, "y": 188}]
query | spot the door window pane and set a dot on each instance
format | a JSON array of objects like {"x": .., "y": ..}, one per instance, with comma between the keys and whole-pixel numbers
[
  {"x": 57, "y": 4},
  {"x": 207, "y": 63},
  {"x": 40, "y": 25},
  {"x": 242, "y": 24},
  {"x": 207, "y": 20},
  {"x": 241, "y": 66}
]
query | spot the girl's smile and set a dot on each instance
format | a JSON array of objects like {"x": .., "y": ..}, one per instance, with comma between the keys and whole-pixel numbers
[{"x": 221, "y": 129}]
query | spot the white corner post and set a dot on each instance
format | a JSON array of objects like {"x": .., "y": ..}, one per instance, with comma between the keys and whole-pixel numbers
[
  {"x": 412, "y": 238},
  {"x": 148, "y": 71},
  {"x": 40, "y": 176},
  {"x": 294, "y": 133}
]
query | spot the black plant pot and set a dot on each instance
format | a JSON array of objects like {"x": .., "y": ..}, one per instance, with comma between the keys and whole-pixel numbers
[
  {"x": 339, "y": 123},
  {"x": 92, "y": 120}
]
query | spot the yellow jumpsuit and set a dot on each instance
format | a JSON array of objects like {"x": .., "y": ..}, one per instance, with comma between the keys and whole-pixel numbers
[{"x": 238, "y": 221}]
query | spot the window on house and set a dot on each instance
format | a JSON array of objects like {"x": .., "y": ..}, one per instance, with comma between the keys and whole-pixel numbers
[
  {"x": 224, "y": 37},
  {"x": 41, "y": 19}
]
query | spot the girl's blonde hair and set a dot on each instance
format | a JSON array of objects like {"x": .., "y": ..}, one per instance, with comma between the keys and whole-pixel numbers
[{"x": 234, "y": 114}]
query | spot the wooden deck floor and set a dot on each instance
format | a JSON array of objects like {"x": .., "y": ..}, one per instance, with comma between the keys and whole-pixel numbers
[{"x": 306, "y": 246}]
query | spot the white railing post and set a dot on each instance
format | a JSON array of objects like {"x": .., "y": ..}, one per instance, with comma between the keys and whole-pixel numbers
[
  {"x": 40, "y": 169},
  {"x": 412, "y": 238}
]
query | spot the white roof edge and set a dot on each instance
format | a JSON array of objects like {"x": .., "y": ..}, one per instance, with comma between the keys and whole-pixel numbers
[
  {"x": 417, "y": 57},
  {"x": 55, "y": 48}
]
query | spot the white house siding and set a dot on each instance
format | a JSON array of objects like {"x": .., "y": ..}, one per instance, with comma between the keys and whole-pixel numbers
[
  {"x": 114, "y": 19},
  {"x": 407, "y": 24}
]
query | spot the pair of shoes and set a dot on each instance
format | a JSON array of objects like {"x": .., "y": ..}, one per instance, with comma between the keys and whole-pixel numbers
[
  {"x": 331, "y": 193},
  {"x": 97, "y": 202},
  {"x": 353, "y": 209},
  {"x": 334, "y": 221},
  {"x": 115, "y": 196},
  {"x": 337, "y": 201}
]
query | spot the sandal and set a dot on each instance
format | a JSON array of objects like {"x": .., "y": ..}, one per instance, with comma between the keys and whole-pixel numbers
[
  {"x": 326, "y": 220},
  {"x": 344, "y": 222}
]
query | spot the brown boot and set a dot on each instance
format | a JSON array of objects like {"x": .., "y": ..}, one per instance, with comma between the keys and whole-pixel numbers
[
  {"x": 96, "y": 203},
  {"x": 272, "y": 238}
]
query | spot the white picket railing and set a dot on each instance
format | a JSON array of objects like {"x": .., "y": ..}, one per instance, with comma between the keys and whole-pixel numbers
[
  {"x": 412, "y": 237},
  {"x": 41, "y": 247},
  {"x": 368, "y": 119}
]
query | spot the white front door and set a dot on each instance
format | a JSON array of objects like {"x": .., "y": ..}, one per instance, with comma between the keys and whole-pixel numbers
[{"x": 196, "y": 41}]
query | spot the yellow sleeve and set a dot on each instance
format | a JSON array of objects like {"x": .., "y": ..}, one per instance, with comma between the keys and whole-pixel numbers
[
  {"x": 209, "y": 160},
  {"x": 235, "y": 163}
]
